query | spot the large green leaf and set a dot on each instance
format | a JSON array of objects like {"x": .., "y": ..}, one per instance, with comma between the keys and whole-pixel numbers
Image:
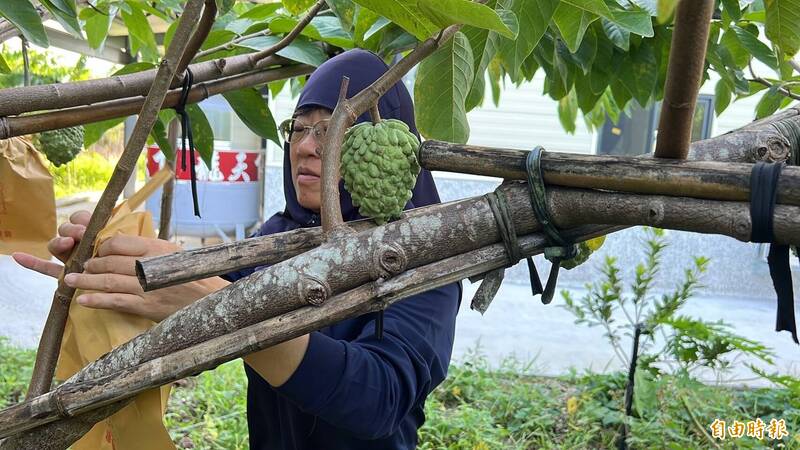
[
  {"x": 572, "y": 22},
  {"x": 533, "y": 17},
  {"x": 94, "y": 131},
  {"x": 65, "y": 12},
  {"x": 97, "y": 25},
  {"x": 484, "y": 44},
  {"x": 4, "y": 65},
  {"x": 447, "y": 12},
  {"x": 24, "y": 16},
  {"x": 757, "y": 48},
  {"x": 261, "y": 12},
  {"x": 345, "y": 10},
  {"x": 362, "y": 22},
  {"x": 159, "y": 135},
  {"x": 297, "y": 6},
  {"x": 783, "y": 24},
  {"x": 252, "y": 108},
  {"x": 597, "y": 7},
  {"x": 741, "y": 56},
  {"x": 640, "y": 76},
  {"x": 618, "y": 35},
  {"x": 202, "y": 133},
  {"x": 405, "y": 13},
  {"x": 299, "y": 50},
  {"x": 636, "y": 21},
  {"x": 769, "y": 103},
  {"x": 141, "y": 34},
  {"x": 325, "y": 29},
  {"x": 722, "y": 96},
  {"x": 442, "y": 83},
  {"x": 568, "y": 111}
]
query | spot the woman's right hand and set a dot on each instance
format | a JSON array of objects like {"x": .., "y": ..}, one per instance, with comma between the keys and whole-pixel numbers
[{"x": 69, "y": 234}]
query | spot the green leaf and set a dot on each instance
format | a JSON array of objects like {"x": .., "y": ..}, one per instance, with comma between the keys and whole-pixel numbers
[
  {"x": 722, "y": 96},
  {"x": 665, "y": 10},
  {"x": 261, "y": 12},
  {"x": 276, "y": 87},
  {"x": 4, "y": 65},
  {"x": 783, "y": 18},
  {"x": 405, "y": 13},
  {"x": 533, "y": 17},
  {"x": 586, "y": 53},
  {"x": 159, "y": 135},
  {"x": 296, "y": 7},
  {"x": 440, "y": 90},
  {"x": 365, "y": 18},
  {"x": 636, "y": 21},
  {"x": 252, "y": 108},
  {"x": 769, "y": 103},
  {"x": 202, "y": 134},
  {"x": 139, "y": 30},
  {"x": 484, "y": 44},
  {"x": 739, "y": 54},
  {"x": 495, "y": 72},
  {"x": 24, "y": 16},
  {"x": 733, "y": 9},
  {"x": 597, "y": 7},
  {"x": 223, "y": 6},
  {"x": 65, "y": 12},
  {"x": 640, "y": 76},
  {"x": 618, "y": 35},
  {"x": 447, "y": 12},
  {"x": 345, "y": 10},
  {"x": 572, "y": 22},
  {"x": 94, "y": 131},
  {"x": 568, "y": 111},
  {"x": 299, "y": 50},
  {"x": 325, "y": 29},
  {"x": 97, "y": 25},
  {"x": 134, "y": 67},
  {"x": 757, "y": 48}
]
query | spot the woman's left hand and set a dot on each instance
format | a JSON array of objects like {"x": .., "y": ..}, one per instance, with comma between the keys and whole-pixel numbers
[{"x": 110, "y": 281}]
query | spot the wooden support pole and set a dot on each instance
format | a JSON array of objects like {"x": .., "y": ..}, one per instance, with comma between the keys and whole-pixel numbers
[
  {"x": 684, "y": 76},
  {"x": 50, "y": 343}
]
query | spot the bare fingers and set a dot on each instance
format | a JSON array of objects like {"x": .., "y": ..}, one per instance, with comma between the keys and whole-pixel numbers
[
  {"x": 40, "y": 265},
  {"x": 104, "y": 282}
]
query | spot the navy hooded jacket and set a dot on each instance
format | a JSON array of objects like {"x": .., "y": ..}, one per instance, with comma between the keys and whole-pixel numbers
[{"x": 352, "y": 390}]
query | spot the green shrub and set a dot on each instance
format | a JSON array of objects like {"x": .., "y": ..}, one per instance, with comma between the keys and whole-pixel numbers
[{"x": 89, "y": 171}]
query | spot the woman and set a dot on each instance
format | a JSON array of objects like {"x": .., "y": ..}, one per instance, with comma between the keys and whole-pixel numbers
[{"x": 336, "y": 388}]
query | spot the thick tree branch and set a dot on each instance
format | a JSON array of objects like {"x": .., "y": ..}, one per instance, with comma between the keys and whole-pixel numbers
[
  {"x": 50, "y": 343},
  {"x": 346, "y": 112},
  {"x": 684, "y": 76}
]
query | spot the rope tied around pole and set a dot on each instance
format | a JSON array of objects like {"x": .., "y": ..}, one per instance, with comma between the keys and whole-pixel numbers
[
  {"x": 186, "y": 134},
  {"x": 561, "y": 249}
]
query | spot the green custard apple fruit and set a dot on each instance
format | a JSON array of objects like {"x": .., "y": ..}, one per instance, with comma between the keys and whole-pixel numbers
[
  {"x": 61, "y": 146},
  {"x": 585, "y": 249},
  {"x": 380, "y": 167}
]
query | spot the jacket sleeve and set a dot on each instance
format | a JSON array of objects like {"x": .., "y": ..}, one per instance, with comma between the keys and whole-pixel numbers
[{"x": 367, "y": 386}]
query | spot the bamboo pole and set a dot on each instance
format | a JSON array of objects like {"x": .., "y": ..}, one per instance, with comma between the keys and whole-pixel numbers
[
  {"x": 82, "y": 115},
  {"x": 684, "y": 76},
  {"x": 680, "y": 178},
  {"x": 50, "y": 343},
  {"x": 19, "y": 100}
]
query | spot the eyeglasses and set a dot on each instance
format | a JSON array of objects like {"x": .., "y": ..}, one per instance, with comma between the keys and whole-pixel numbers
[{"x": 293, "y": 131}]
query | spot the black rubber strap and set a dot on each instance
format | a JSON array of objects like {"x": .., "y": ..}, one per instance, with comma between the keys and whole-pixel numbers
[
  {"x": 186, "y": 133},
  {"x": 539, "y": 197},
  {"x": 763, "y": 195}
]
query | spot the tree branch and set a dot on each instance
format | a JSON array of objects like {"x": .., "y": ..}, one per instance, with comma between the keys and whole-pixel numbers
[
  {"x": 165, "y": 215},
  {"x": 684, "y": 76},
  {"x": 257, "y": 58},
  {"x": 81, "y": 115},
  {"x": 231, "y": 44},
  {"x": 50, "y": 343}
]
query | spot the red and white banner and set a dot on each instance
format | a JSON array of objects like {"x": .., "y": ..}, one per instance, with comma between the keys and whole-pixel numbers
[{"x": 226, "y": 165}]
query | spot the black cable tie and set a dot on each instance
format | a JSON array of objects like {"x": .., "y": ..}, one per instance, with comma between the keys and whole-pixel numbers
[
  {"x": 379, "y": 325},
  {"x": 763, "y": 196}
]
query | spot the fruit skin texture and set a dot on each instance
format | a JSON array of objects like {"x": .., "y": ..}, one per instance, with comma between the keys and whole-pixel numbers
[
  {"x": 380, "y": 167},
  {"x": 61, "y": 146}
]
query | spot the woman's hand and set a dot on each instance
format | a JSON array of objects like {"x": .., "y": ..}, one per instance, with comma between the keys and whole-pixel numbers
[{"x": 109, "y": 279}]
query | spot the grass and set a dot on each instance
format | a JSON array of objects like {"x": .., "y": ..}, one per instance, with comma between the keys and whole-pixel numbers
[
  {"x": 89, "y": 171},
  {"x": 480, "y": 408}
]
